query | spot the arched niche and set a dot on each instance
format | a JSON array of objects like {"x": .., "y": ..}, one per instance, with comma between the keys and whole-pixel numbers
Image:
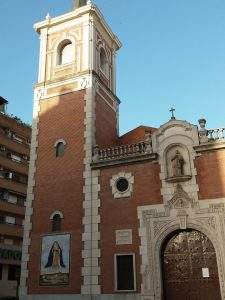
[{"x": 178, "y": 164}]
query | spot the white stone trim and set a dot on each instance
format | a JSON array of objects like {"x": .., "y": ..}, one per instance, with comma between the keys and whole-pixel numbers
[
  {"x": 57, "y": 212},
  {"x": 115, "y": 272},
  {"x": 38, "y": 93},
  {"x": 60, "y": 141},
  {"x": 91, "y": 236},
  {"x": 116, "y": 193},
  {"x": 42, "y": 55}
]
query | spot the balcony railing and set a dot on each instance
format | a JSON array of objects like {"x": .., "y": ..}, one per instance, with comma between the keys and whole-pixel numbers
[
  {"x": 122, "y": 152},
  {"x": 217, "y": 134}
]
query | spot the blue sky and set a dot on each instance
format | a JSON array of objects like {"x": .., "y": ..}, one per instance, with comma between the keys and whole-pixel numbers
[{"x": 173, "y": 54}]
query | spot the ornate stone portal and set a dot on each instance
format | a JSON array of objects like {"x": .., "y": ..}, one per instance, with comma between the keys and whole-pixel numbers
[{"x": 180, "y": 213}]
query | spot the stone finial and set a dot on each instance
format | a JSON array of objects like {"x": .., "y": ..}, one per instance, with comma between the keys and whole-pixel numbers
[
  {"x": 95, "y": 156},
  {"x": 203, "y": 132},
  {"x": 148, "y": 142},
  {"x": 48, "y": 17},
  {"x": 80, "y": 3}
]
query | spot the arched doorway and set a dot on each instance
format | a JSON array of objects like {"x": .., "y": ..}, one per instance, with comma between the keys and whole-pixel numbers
[{"x": 189, "y": 267}]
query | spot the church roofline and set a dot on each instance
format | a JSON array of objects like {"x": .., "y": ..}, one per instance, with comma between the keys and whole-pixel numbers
[{"x": 49, "y": 22}]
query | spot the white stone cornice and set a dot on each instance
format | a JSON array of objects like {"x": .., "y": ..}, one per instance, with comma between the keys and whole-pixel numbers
[{"x": 88, "y": 9}]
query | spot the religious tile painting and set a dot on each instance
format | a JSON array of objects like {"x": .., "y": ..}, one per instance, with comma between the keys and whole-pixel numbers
[{"x": 55, "y": 260}]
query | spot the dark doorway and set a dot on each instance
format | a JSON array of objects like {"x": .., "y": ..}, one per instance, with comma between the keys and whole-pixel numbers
[{"x": 189, "y": 267}]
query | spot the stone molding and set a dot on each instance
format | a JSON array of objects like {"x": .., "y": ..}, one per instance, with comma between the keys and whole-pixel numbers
[
  {"x": 158, "y": 221},
  {"x": 91, "y": 204},
  {"x": 38, "y": 94},
  {"x": 60, "y": 141},
  {"x": 57, "y": 212}
]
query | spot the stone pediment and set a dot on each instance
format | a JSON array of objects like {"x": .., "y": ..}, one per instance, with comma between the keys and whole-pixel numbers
[
  {"x": 180, "y": 199},
  {"x": 184, "y": 125}
]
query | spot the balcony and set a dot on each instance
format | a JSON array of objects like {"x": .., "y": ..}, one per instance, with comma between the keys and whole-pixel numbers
[
  {"x": 23, "y": 148},
  {"x": 12, "y": 230},
  {"x": 15, "y": 186},
  {"x": 11, "y": 208},
  {"x": 8, "y": 163}
]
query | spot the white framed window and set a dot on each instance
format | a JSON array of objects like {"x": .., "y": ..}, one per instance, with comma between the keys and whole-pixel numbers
[
  {"x": 122, "y": 185},
  {"x": 60, "y": 147},
  {"x": 65, "y": 53},
  {"x": 125, "y": 272}
]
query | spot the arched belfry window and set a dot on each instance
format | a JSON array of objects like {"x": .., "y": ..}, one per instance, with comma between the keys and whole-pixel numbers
[
  {"x": 104, "y": 64},
  {"x": 65, "y": 52},
  {"x": 60, "y": 148},
  {"x": 56, "y": 218}
]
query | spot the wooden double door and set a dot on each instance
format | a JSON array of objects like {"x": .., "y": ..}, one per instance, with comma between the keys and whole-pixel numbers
[{"x": 189, "y": 267}]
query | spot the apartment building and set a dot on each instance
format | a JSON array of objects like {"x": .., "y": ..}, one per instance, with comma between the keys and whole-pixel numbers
[{"x": 14, "y": 161}]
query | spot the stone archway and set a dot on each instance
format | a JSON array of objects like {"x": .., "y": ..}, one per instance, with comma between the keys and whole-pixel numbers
[{"x": 189, "y": 267}]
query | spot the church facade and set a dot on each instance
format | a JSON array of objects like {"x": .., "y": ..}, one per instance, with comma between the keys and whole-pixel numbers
[{"x": 138, "y": 216}]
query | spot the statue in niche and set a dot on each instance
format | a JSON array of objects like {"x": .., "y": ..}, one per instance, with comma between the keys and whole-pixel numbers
[{"x": 177, "y": 163}]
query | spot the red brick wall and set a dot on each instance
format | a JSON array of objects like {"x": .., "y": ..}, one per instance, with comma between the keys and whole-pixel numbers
[
  {"x": 59, "y": 184},
  {"x": 117, "y": 214},
  {"x": 136, "y": 135},
  {"x": 106, "y": 131},
  {"x": 211, "y": 174}
]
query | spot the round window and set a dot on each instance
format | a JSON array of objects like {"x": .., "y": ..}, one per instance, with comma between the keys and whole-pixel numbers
[{"x": 122, "y": 185}]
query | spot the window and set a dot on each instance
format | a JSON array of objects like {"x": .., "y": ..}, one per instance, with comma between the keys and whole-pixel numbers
[
  {"x": 56, "y": 223},
  {"x": 12, "y": 199},
  {"x": 125, "y": 272},
  {"x": 104, "y": 65},
  {"x": 10, "y": 220},
  {"x": 1, "y": 267},
  {"x": 122, "y": 185},
  {"x": 60, "y": 149},
  {"x": 4, "y": 195},
  {"x": 65, "y": 52},
  {"x": 13, "y": 273}
]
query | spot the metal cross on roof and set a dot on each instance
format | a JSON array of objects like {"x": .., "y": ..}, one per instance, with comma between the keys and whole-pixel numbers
[{"x": 172, "y": 110}]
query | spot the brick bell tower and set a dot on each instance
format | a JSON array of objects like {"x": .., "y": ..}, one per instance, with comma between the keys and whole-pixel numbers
[{"x": 75, "y": 108}]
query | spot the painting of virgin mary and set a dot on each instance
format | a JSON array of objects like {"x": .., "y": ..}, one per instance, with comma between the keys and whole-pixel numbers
[
  {"x": 55, "y": 257},
  {"x": 55, "y": 260}
]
